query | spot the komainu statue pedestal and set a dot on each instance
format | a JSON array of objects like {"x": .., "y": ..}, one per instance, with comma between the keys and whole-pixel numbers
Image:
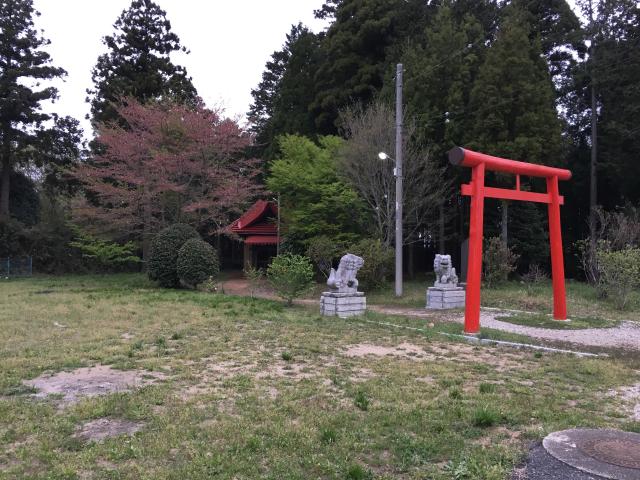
[
  {"x": 342, "y": 305},
  {"x": 442, "y": 298},
  {"x": 445, "y": 292},
  {"x": 344, "y": 300}
]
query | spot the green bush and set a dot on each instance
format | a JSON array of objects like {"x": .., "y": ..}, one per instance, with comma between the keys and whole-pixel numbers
[
  {"x": 378, "y": 262},
  {"x": 163, "y": 253},
  {"x": 197, "y": 262},
  {"x": 498, "y": 262},
  {"x": 619, "y": 273},
  {"x": 290, "y": 275},
  {"x": 105, "y": 255}
]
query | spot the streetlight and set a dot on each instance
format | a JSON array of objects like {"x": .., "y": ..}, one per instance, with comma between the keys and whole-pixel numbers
[{"x": 397, "y": 172}]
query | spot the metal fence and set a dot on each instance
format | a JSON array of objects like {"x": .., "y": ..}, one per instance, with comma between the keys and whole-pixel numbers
[{"x": 16, "y": 267}]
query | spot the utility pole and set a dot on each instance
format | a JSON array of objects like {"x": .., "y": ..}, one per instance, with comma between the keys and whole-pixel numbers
[
  {"x": 398, "y": 173},
  {"x": 593, "y": 190}
]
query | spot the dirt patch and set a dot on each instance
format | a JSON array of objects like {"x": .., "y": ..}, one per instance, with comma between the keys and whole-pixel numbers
[
  {"x": 294, "y": 371},
  {"x": 403, "y": 350},
  {"x": 90, "y": 382},
  {"x": 103, "y": 428},
  {"x": 362, "y": 375},
  {"x": 630, "y": 397}
]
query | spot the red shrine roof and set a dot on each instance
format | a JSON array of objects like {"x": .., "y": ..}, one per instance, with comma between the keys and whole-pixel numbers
[{"x": 258, "y": 222}]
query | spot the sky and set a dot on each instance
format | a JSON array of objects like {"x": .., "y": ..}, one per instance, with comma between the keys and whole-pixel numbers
[{"x": 230, "y": 42}]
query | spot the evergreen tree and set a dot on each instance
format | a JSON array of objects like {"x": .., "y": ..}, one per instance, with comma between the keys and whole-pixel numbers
[
  {"x": 615, "y": 64},
  {"x": 359, "y": 48},
  {"x": 512, "y": 103},
  {"x": 440, "y": 75},
  {"x": 21, "y": 62},
  {"x": 281, "y": 100},
  {"x": 561, "y": 36},
  {"x": 138, "y": 62},
  {"x": 440, "y": 70}
]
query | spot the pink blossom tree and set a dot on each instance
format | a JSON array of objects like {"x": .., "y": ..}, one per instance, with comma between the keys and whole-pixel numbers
[{"x": 164, "y": 163}]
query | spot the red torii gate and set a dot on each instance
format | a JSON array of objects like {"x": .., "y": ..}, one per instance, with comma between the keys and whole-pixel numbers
[{"x": 480, "y": 163}]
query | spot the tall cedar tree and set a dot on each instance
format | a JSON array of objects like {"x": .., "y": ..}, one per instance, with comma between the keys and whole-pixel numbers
[
  {"x": 138, "y": 62},
  {"x": 512, "y": 105},
  {"x": 281, "y": 100},
  {"x": 359, "y": 48},
  {"x": 440, "y": 75},
  {"x": 170, "y": 164},
  {"x": 22, "y": 64},
  {"x": 441, "y": 70}
]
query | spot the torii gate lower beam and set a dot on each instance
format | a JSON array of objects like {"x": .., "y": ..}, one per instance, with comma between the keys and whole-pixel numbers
[{"x": 477, "y": 190}]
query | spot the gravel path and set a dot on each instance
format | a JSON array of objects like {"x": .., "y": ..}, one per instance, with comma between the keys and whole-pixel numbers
[{"x": 626, "y": 335}]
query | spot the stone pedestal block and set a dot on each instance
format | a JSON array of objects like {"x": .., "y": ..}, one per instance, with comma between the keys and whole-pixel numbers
[
  {"x": 343, "y": 305},
  {"x": 441, "y": 298}
]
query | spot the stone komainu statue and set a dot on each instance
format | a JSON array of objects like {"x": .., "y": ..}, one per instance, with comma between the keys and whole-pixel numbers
[
  {"x": 344, "y": 279},
  {"x": 445, "y": 274}
]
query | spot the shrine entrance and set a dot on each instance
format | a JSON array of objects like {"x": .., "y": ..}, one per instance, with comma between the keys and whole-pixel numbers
[{"x": 481, "y": 163}]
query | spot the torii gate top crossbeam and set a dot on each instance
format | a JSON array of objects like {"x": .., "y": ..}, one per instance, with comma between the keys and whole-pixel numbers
[{"x": 468, "y": 158}]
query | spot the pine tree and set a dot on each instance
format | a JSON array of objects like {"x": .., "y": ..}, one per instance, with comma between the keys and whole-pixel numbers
[
  {"x": 138, "y": 62},
  {"x": 512, "y": 102},
  {"x": 22, "y": 60}
]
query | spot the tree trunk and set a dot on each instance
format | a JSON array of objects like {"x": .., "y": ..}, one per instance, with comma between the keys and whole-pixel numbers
[
  {"x": 504, "y": 233},
  {"x": 146, "y": 231},
  {"x": 5, "y": 182}
]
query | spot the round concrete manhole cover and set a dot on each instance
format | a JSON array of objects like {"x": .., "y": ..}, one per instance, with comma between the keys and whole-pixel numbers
[
  {"x": 608, "y": 453},
  {"x": 623, "y": 453}
]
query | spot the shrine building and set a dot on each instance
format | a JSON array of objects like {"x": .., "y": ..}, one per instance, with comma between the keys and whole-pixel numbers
[{"x": 257, "y": 230}]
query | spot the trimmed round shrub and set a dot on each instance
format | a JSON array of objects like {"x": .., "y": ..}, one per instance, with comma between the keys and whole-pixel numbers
[
  {"x": 197, "y": 261},
  {"x": 163, "y": 253},
  {"x": 290, "y": 275}
]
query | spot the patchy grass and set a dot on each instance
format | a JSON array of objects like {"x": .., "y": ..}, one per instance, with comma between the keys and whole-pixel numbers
[
  {"x": 230, "y": 405},
  {"x": 546, "y": 321}
]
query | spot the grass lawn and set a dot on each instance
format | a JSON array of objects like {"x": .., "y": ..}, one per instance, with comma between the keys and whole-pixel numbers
[{"x": 256, "y": 390}]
